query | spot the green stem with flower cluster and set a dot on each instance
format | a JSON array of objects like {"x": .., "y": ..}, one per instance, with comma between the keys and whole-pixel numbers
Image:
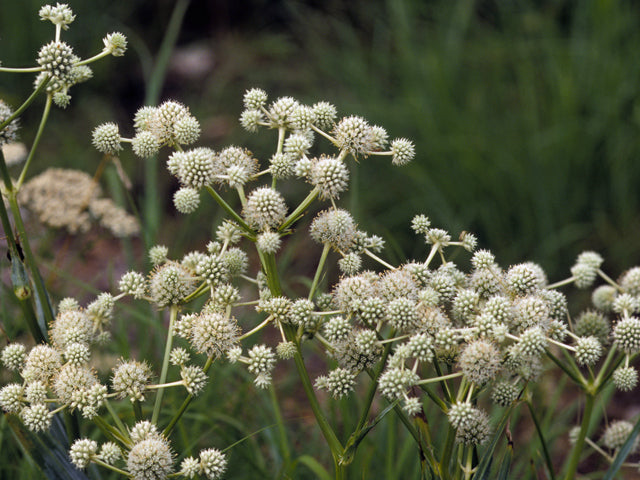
[
  {"x": 173, "y": 314},
  {"x": 36, "y": 141},
  {"x": 578, "y": 447}
]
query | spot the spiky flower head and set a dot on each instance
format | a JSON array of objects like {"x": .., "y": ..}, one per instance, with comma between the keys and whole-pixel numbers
[
  {"x": 403, "y": 151},
  {"x": 504, "y": 393},
  {"x": 150, "y": 459},
  {"x": 194, "y": 168},
  {"x": 133, "y": 283},
  {"x": 12, "y": 398},
  {"x": 145, "y": 144},
  {"x": 57, "y": 59},
  {"x": 109, "y": 453},
  {"x": 437, "y": 236},
  {"x": 588, "y": 350},
  {"x": 186, "y": 130},
  {"x": 213, "y": 333},
  {"x": 402, "y": 313},
  {"x": 626, "y": 335},
  {"x": 170, "y": 283},
  {"x": 302, "y": 117},
  {"x": 106, "y": 138},
  {"x": 522, "y": 279},
  {"x": 395, "y": 382},
  {"x": 235, "y": 261},
  {"x": 100, "y": 311},
  {"x": 325, "y": 115},
  {"x": 280, "y": 112},
  {"x": 82, "y": 452},
  {"x": 268, "y": 242},
  {"x": 286, "y": 350},
  {"x": 60, "y": 15},
  {"x": 301, "y": 313},
  {"x": 251, "y": 119},
  {"x": 297, "y": 145},
  {"x": 625, "y": 378},
  {"x": 340, "y": 382},
  {"x": 354, "y": 135},
  {"x": 213, "y": 463},
  {"x": 337, "y": 328},
  {"x": 36, "y": 392},
  {"x": 532, "y": 342},
  {"x": 115, "y": 43},
  {"x": 616, "y": 435},
  {"x": 471, "y": 424},
  {"x": 330, "y": 176},
  {"x": 420, "y": 224},
  {"x": 194, "y": 379},
  {"x": 8, "y": 133},
  {"x": 164, "y": 118},
  {"x": 13, "y": 356},
  {"x": 262, "y": 360},
  {"x": 335, "y": 227},
  {"x": 42, "y": 363},
  {"x": 350, "y": 264},
  {"x": 625, "y": 304},
  {"x": 480, "y": 361},
  {"x": 265, "y": 208},
  {"x": 255, "y": 99},
  {"x": 158, "y": 254},
  {"x": 37, "y": 417},
  {"x": 603, "y": 297},
  {"x": 130, "y": 378}
]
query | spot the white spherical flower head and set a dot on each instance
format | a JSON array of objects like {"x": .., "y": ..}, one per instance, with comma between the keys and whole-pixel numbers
[
  {"x": 354, "y": 135},
  {"x": 186, "y": 200},
  {"x": 60, "y": 15},
  {"x": 403, "y": 151},
  {"x": 8, "y": 133},
  {"x": 325, "y": 115},
  {"x": 106, "y": 138},
  {"x": 255, "y": 99},
  {"x": 82, "y": 452},
  {"x": 265, "y": 208},
  {"x": 213, "y": 463},
  {"x": 616, "y": 435},
  {"x": 334, "y": 227},
  {"x": 330, "y": 176},
  {"x": 150, "y": 459}
]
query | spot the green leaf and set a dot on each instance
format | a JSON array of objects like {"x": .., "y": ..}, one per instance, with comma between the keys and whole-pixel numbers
[
  {"x": 47, "y": 450},
  {"x": 313, "y": 465},
  {"x": 484, "y": 467},
  {"x": 356, "y": 437}
]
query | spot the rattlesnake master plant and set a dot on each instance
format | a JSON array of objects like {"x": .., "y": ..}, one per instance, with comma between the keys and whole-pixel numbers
[{"x": 421, "y": 335}]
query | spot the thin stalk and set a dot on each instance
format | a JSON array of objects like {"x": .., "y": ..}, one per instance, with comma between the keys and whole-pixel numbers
[
  {"x": 237, "y": 218},
  {"x": 97, "y": 461},
  {"x": 169, "y": 428},
  {"x": 578, "y": 447},
  {"x": 282, "y": 433},
  {"x": 316, "y": 277},
  {"x": 115, "y": 417},
  {"x": 300, "y": 209},
  {"x": 545, "y": 450},
  {"x": 173, "y": 314},
  {"x": 26, "y": 103},
  {"x": 379, "y": 260},
  {"x": 36, "y": 278},
  {"x": 36, "y": 141},
  {"x": 137, "y": 410}
]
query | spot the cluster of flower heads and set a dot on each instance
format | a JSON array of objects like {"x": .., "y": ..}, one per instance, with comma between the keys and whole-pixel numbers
[
  {"x": 147, "y": 455},
  {"x": 71, "y": 199},
  {"x": 59, "y": 65}
]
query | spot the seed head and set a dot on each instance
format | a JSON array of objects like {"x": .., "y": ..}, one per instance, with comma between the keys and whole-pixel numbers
[
  {"x": 335, "y": 227},
  {"x": 37, "y": 417},
  {"x": 42, "y": 363},
  {"x": 523, "y": 279},
  {"x": 352, "y": 291},
  {"x": 625, "y": 378},
  {"x": 625, "y": 304},
  {"x": 465, "y": 305},
  {"x": 420, "y": 347},
  {"x": 262, "y": 360},
  {"x": 480, "y": 361},
  {"x": 213, "y": 334},
  {"x": 504, "y": 393},
  {"x": 337, "y": 329},
  {"x": 395, "y": 382},
  {"x": 268, "y": 242},
  {"x": 115, "y": 43},
  {"x": 194, "y": 379},
  {"x": 57, "y": 59},
  {"x": 626, "y": 335},
  {"x": 82, "y": 452},
  {"x": 532, "y": 342},
  {"x": 330, "y": 176},
  {"x": 133, "y": 283},
  {"x": 145, "y": 144},
  {"x": 213, "y": 463},
  {"x": 150, "y": 459},
  {"x": 588, "y": 350},
  {"x": 130, "y": 378},
  {"x": 354, "y": 135},
  {"x": 186, "y": 130},
  {"x": 254, "y": 99},
  {"x": 350, "y": 264},
  {"x": 280, "y": 112},
  {"x": 302, "y": 117},
  {"x": 13, "y": 356},
  {"x": 110, "y": 453},
  {"x": 471, "y": 424},
  {"x": 403, "y": 151},
  {"x": 340, "y": 382},
  {"x": 402, "y": 313},
  {"x": 603, "y": 297},
  {"x": 251, "y": 119},
  {"x": 265, "y": 208},
  {"x": 325, "y": 115},
  {"x": 616, "y": 435},
  {"x": 106, "y": 138},
  {"x": 170, "y": 283},
  {"x": 12, "y": 398},
  {"x": 8, "y": 133},
  {"x": 297, "y": 144}
]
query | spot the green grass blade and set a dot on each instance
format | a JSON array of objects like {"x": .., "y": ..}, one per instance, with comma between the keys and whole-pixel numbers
[{"x": 484, "y": 467}]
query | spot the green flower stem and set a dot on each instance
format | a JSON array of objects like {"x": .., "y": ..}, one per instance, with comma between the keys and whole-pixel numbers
[
  {"x": 299, "y": 211},
  {"x": 21, "y": 70},
  {"x": 440, "y": 379},
  {"x": 169, "y": 428},
  {"x": 97, "y": 461},
  {"x": 444, "y": 384},
  {"x": 256, "y": 329},
  {"x": 111, "y": 432},
  {"x": 98, "y": 56},
  {"x": 137, "y": 410},
  {"x": 282, "y": 433},
  {"x": 36, "y": 278},
  {"x": 26, "y": 103},
  {"x": 468, "y": 468},
  {"x": 237, "y": 218},
  {"x": 36, "y": 141},
  {"x": 578, "y": 447},
  {"x": 561, "y": 283},
  {"x": 609, "y": 280},
  {"x": 173, "y": 314},
  {"x": 115, "y": 417},
  {"x": 316, "y": 277},
  {"x": 605, "y": 365},
  {"x": 379, "y": 260},
  {"x": 575, "y": 374},
  {"x": 198, "y": 292}
]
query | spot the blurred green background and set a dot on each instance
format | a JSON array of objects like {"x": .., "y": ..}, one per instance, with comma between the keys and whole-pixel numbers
[{"x": 525, "y": 115}]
